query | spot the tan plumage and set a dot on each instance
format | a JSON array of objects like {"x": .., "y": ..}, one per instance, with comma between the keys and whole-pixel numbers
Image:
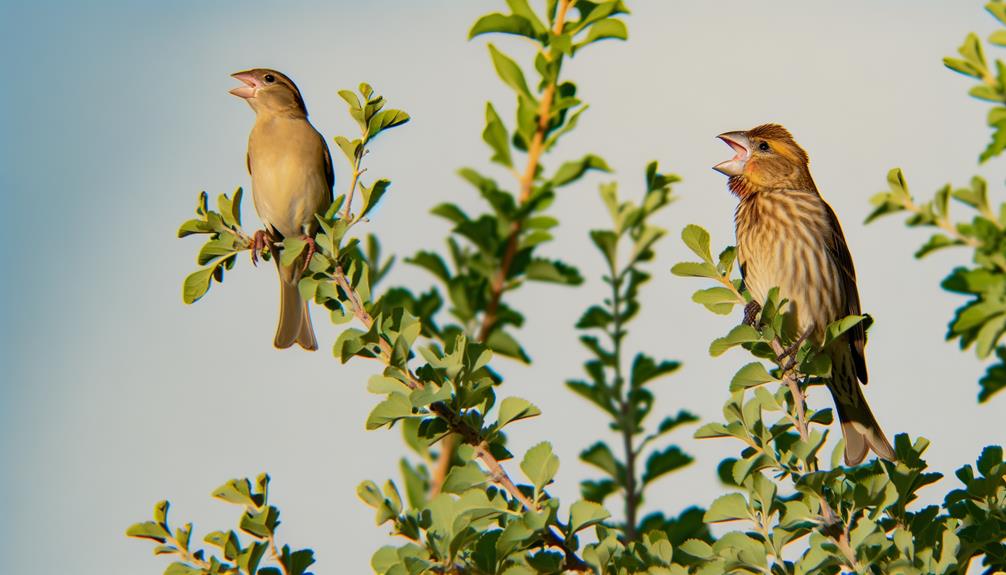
[
  {"x": 292, "y": 180},
  {"x": 789, "y": 237}
]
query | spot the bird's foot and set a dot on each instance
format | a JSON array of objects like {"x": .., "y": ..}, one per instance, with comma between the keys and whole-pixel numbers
[
  {"x": 751, "y": 311},
  {"x": 259, "y": 241},
  {"x": 310, "y": 252},
  {"x": 790, "y": 351}
]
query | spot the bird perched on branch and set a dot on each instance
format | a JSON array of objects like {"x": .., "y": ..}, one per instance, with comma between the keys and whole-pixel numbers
[
  {"x": 789, "y": 237},
  {"x": 292, "y": 179}
]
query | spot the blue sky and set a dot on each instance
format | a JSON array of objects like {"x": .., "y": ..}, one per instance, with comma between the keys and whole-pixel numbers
[{"x": 117, "y": 395}]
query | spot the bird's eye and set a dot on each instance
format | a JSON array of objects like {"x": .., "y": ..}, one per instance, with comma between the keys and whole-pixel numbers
[
  {"x": 269, "y": 78},
  {"x": 764, "y": 147}
]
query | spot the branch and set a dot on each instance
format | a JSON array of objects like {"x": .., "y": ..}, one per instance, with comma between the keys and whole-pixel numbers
[
  {"x": 459, "y": 427},
  {"x": 497, "y": 287},
  {"x": 526, "y": 186},
  {"x": 833, "y": 526}
]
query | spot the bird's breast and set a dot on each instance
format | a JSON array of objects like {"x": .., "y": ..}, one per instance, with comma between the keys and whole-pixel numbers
[
  {"x": 780, "y": 243},
  {"x": 289, "y": 185}
]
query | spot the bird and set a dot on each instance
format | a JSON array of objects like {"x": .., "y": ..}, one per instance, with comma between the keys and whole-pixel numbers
[
  {"x": 292, "y": 178},
  {"x": 790, "y": 238}
]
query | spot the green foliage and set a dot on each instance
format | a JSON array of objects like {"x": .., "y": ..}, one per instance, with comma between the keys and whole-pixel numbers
[
  {"x": 859, "y": 519},
  {"x": 981, "y": 321},
  {"x": 258, "y": 522},
  {"x": 620, "y": 388},
  {"x": 456, "y": 509},
  {"x": 225, "y": 241}
]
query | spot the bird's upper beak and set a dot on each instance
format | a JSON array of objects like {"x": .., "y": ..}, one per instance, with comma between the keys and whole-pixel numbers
[
  {"x": 742, "y": 147},
  {"x": 251, "y": 84}
]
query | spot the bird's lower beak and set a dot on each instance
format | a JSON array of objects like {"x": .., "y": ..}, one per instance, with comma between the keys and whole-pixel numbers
[
  {"x": 250, "y": 85},
  {"x": 742, "y": 148}
]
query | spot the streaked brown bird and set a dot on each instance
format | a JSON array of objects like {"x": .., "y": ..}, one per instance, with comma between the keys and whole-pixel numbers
[
  {"x": 789, "y": 237},
  {"x": 292, "y": 179}
]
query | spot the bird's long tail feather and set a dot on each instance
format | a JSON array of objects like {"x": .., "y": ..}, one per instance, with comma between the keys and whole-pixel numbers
[
  {"x": 294, "y": 316},
  {"x": 859, "y": 427}
]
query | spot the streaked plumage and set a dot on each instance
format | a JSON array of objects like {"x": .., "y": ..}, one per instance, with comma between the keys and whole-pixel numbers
[
  {"x": 789, "y": 237},
  {"x": 292, "y": 180}
]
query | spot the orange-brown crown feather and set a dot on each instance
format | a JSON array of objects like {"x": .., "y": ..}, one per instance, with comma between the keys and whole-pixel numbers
[{"x": 781, "y": 141}]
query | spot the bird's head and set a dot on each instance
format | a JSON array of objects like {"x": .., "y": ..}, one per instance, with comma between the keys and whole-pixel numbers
[
  {"x": 269, "y": 91},
  {"x": 765, "y": 157}
]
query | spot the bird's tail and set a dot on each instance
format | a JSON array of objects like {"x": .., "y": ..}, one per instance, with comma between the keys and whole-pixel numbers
[
  {"x": 859, "y": 427},
  {"x": 294, "y": 316}
]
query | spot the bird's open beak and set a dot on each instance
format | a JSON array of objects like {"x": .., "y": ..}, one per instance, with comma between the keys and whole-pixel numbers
[
  {"x": 742, "y": 148},
  {"x": 249, "y": 88}
]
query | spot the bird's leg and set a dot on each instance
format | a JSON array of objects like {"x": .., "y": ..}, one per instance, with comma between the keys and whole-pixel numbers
[
  {"x": 310, "y": 252},
  {"x": 259, "y": 241},
  {"x": 790, "y": 351},
  {"x": 751, "y": 311}
]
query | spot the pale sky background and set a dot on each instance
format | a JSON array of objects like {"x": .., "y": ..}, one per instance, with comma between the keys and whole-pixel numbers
[{"x": 115, "y": 395}]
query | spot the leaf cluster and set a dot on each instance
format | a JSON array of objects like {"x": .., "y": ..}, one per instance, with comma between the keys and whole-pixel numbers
[
  {"x": 859, "y": 519},
  {"x": 981, "y": 321},
  {"x": 259, "y": 521}
]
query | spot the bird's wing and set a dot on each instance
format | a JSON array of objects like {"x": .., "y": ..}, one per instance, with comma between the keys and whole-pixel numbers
[
  {"x": 838, "y": 251},
  {"x": 248, "y": 162},
  {"x": 329, "y": 171}
]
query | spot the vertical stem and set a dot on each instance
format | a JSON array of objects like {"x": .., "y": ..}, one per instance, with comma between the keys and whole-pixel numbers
[
  {"x": 496, "y": 288},
  {"x": 627, "y": 424}
]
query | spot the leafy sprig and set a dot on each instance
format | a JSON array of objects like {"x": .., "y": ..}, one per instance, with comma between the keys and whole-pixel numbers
[{"x": 619, "y": 387}]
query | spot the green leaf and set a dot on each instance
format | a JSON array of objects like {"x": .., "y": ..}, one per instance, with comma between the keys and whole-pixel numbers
[
  {"x": 936, "y": 242},
  {"x": 696, "y": 270},
  {"x": 583, "y": 514},
  {"x": 711, "y": 430},
  {"x": 697, "y": 548},
  {"x": 605, "y": 29},
  {"x": 349, "y": 149},
  {"x": 351, "y": 99},
  {"x": 600, "y": 455},
  {"x": 503, "y": 24},
  {"x": 697, "y": 240},
  {"x": 738, "y": 335},
  {"x": 719, "y": 300},
  {"x": 510, "y": 72},
  {"x": 496, "y": 136},
  {"x": 553, "y": 271},
  {"x": 837, "y": 328},
  {"x": 514, "y": 408},
  {"x": 385, "y": 120},
  {"x": 372, "y": 196},
  {"x": 660, "y": 463},
  {"x": 148, "y": 530},
  {"x": 196, "y": 284},
  {"x": 728, "y": 507},
  {"x": 569, "y": 172},
  {"x": 237, "y": 491},
  {"x": 540, "y": 465},
  {"x": 395, "y": 407},
  {"x": 292, "y": 248},
  {"x": 503, "y": 343},
  {"x": 463, "y": 477},
  {"x": 751, "y": 375}
]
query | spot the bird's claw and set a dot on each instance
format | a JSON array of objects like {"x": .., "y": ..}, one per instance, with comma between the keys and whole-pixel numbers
[
  {"x": 310, "y": 252},
  {"x": 751, "y": 311},
  {"x": 259, "y": 242}
]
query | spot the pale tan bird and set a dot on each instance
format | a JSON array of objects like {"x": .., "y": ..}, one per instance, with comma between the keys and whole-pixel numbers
[
  {"x": 292, "y": 179},
  {"x": 789, "y": 237}
]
